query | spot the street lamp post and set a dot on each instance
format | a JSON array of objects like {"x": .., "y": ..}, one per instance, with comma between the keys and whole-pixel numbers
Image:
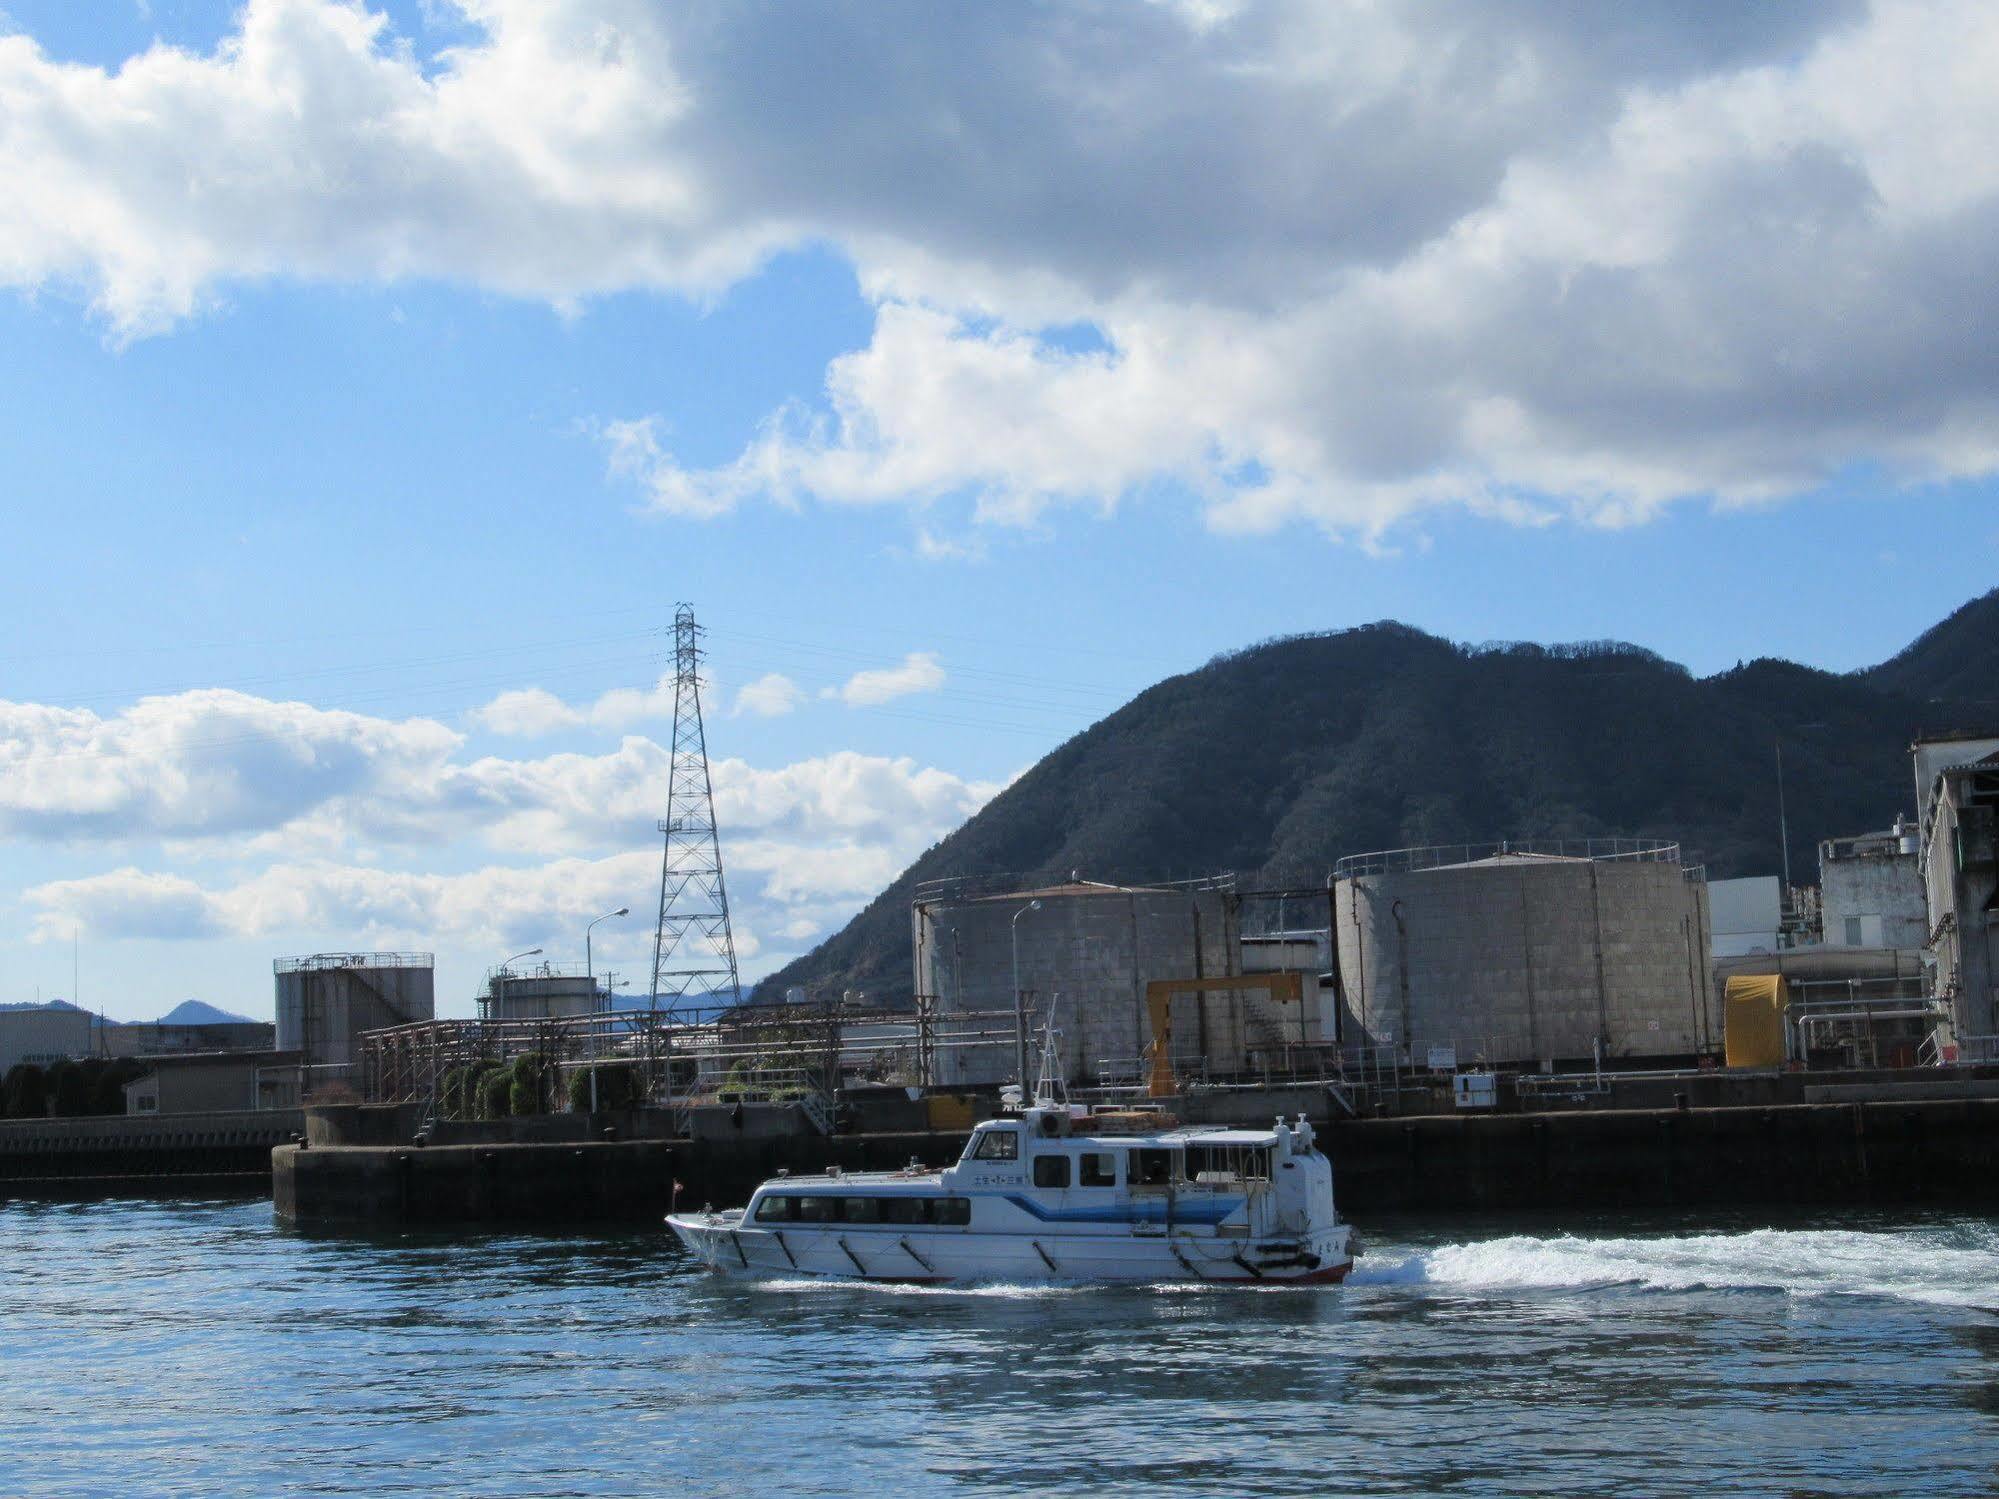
[
  {"x": 589, "y": 969},
  {"x": 501, "y": 976},
  {"x": 1019, "y": 1003}
]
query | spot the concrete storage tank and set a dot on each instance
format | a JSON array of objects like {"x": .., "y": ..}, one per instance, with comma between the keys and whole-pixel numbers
[
  {"x": 1095, "y": 945},
  {"x": 327, "y": 1000},
  {"x": 1535, "y": 953},
  {"x": 546, "y": 991}
]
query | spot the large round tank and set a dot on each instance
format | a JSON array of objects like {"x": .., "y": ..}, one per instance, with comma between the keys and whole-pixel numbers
[
  {"x": 327, "y": 1000},
  {"x": 1093, "y": 946},
  {"x": 1534, "y": 953},
  {"x": 543, "y": 992}
]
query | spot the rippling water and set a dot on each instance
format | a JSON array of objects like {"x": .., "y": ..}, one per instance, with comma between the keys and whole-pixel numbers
[{"x": 197, "y": 1348}]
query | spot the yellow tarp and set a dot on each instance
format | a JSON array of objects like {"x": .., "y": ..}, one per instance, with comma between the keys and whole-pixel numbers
[
  {"x": 1752, "y": 1021},
  {"x": 949, "y": 1111}
]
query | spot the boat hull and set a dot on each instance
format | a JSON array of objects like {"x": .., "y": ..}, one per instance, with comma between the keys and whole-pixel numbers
[{"x": 725, "y": 1246}]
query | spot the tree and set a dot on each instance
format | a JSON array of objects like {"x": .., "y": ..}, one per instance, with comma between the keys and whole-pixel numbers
[
  {"x": 69, "y": 1090},
  {"x": 24, "y": 1094}
]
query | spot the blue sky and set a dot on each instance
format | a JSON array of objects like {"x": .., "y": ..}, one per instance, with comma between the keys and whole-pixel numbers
[{"x": 333, "y": 469}]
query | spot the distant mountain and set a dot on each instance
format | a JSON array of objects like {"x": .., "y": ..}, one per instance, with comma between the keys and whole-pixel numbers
[
  {"x": 196, "y": 1012},
  {"x": 44, "y": 1004},
  {"x": 1277, "y": 760},
  {"x": 1956, "y": 662}
]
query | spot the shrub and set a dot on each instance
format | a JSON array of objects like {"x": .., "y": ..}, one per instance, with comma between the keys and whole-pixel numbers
[
  {"x": 529, "y": 1091},
  {"x": 455, "y": 1094},
  {"x": 617, "y": 1086},
  {"x": 495, "y": 1090}
]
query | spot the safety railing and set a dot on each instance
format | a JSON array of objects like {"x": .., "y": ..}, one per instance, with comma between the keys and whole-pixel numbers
[{"x": 1443, "y": 855}]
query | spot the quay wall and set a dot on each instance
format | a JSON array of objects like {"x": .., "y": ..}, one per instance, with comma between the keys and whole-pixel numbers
[
  {"x": 119, "y": 1148},
  {"x": 596, "y": 1181},
  {"x": 1942, "y": 1152}
]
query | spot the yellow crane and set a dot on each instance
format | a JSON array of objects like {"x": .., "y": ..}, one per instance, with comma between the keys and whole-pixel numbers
[{"x": 1283, "y": 988}]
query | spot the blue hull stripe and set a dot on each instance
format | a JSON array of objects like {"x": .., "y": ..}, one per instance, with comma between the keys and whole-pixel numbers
[{"x": 1138, "y": 1212}]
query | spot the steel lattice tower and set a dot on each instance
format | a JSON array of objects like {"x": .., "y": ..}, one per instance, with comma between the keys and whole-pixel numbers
[{"x": 694, "y": 951}]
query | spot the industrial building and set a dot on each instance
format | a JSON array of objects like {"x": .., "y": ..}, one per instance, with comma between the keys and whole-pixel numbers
[
  {"x": 1957, "y": 788},
  {"x": 547, "y": 991},
  {"x": 216, "y": 1082},
  {"x": 42, "y": 1034},
  {"x": 1087, "y": 950},
  {"x": 1871, "y": 890},
  {"x": 1539, "y": 953},
  {"x": 327, "y": 1000},
  {"x": 154, "y": 1038}
]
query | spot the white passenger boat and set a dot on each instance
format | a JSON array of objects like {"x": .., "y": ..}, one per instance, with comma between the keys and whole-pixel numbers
[{"x": 1053, "y": 1193}]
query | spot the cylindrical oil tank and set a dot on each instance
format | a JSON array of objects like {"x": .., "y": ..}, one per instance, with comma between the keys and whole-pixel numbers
[
  {"x": 327, "y": 1000},
  {"x": 1088, "y": 948},
  {"x": 1535, "y": 953},
  {"x": 544, "y": 992}
]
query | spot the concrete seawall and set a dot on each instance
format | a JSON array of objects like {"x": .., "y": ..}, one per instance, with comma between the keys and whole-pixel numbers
[
  {"x": 1849, "y": 1154},
  {"x": 116, "y": 1150},
  {"x": 599, "y": 1181},
  {"x": 1942, "y": 1152}
]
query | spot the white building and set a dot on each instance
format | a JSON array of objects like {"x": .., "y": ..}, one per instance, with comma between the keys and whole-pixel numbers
[
  {"x": 1746, "y": 915},
  {"x": 1871, "y": 890}
]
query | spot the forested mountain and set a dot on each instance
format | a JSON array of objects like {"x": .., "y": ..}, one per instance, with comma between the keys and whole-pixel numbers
[
  {"x": 1955, "y": 663},
  {"x": 1277, "y": 760}
]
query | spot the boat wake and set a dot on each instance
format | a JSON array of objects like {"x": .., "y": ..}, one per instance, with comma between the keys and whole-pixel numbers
[{"x": 1943, "y": 1267}]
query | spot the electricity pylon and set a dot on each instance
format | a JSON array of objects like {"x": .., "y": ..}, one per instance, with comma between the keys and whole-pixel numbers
[{"x": 694, "y": 951}]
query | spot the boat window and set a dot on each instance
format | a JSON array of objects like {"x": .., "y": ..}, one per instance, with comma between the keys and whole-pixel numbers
[
  {"x": 1151, "y": 1168},
  {"x": 905, "y": 1210},
  {"x": 1051, "y": 1171},
  {"x": 999, "y": 1145},
  {"x": 817, "y": 1209},
  {"x": 861, "y": 1209},
  {"x": 1244, "y": 1162},
  {"x": 775, "y": 1208},
  {"x": 954, "y": 1212},
  {"x": 1098, "y": 1168}
]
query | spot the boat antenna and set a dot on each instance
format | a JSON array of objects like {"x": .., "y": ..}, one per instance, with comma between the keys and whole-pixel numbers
[{"x": 1050, "y": 1087}]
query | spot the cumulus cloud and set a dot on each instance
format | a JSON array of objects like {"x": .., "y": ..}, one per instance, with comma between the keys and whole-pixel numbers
[
  {"x": 1337, "y": 263},
  {"x": 527, "y": 712},
  {"x": 769, "y": 696},
  {"x": 294, "y": 794},
  {"x": 919, "y": 672},
  {"x": 531, "y": 712},
  {"x": 204, "y": 763}
]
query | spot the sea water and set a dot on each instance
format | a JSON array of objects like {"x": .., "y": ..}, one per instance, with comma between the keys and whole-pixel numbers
[{"x": 199, "y": 1348}]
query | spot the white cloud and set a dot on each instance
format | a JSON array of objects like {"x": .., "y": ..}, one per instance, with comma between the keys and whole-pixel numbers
[
  {"x": 527, "y": 713},
  {"x": 919, "y": 672},
  {"x": 769, "y": 696},
  {"x": 327, "y": 827},
  {"x": 204, "y": 763},
  {"x": 531, "y": 712},
  {"x": 1336, "y": 263}
]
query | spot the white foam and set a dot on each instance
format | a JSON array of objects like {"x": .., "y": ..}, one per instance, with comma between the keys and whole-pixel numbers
[{"x": 1947, "y": 1267}]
